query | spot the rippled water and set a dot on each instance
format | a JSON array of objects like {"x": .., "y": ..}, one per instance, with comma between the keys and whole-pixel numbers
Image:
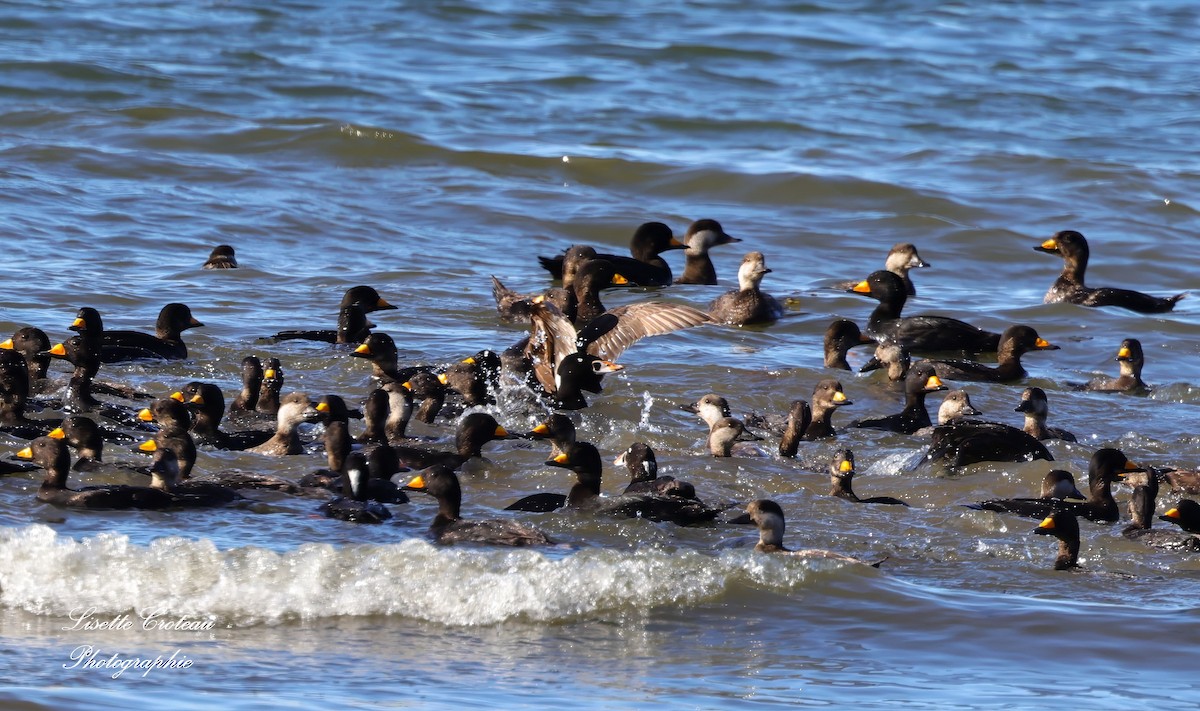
[{"x": 421, "y": 148}]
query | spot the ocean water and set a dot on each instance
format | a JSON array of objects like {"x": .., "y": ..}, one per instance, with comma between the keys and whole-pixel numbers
[{"x": 421, "y": 148}]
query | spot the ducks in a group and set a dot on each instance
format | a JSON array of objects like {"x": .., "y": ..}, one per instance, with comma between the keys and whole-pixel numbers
[
  {"x": 116, "y": 346},
  {"x": 961, "y": 442},
  {"x": 573, "y": 341},
  {"x": 1069, "y": 286},
  {"x": 51, "y": 454},
  {"x": 644, "y": 267}
]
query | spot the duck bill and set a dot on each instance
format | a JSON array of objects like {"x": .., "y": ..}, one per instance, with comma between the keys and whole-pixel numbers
[
  {"x": 363, "y": 351},
  {"x": 1050, "y": 246},
  {"x": 59, "y": 351},
  {"x": 934, "y": 383},
  {"x": 1044, "y": 345},
  {"x": 839, "y": 399},
  {"x": 7, "y": 345},
  {"x": 383, "y": 304},
  {"x": 743, "y": 518},
  {"x": 145, "y": 415},
  {"x": 861, "y": 287},
  {"x": 562, "y": 460},
  {"x": 26, "y": 453}
]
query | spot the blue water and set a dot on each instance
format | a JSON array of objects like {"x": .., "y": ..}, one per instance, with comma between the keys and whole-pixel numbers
[{"x": 421, "y": 148}]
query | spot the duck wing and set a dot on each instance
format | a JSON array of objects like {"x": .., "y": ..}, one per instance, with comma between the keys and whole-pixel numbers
[{"x": 633, "y": 322}]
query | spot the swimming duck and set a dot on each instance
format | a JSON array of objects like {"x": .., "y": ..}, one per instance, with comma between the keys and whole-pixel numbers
[
  {"x": 642, "y": 465},
  {"x": 1069, "y": 286},
  {"x": 918, "y": 333},
  {"x": 474, "y": 431},
  {"x": 294, "y": 409},
  {"x": 272, "y": 388},
  {"x": 798, "y": 419},
  {"x": 1130, "y": 360},
  {"x": 1141, "y": 513},
  {"x": 768, "y": 516},
  {"x": 841, "y": 476},
  {"x": 1015, "y": 342},
  {"x": 429, "y": 390},
  {"x": 645, "y": 267},
  {"x": 1057, "y": 484},
  {"x": 891, "y": 356},
  {"x": 165, "y": 475},
  {"x": 221, "y": 257},
  {"x": 83, "y": 434},
  {"x": 174, "y": 420},
  {"x": 1036, "y": 407},
  {"x": 117, "y": 346},
  {"x": 920, "y": 381},
  {"x": 352, "y": 323},
  {"x": 355, "y": 505},
  {"x": 711, "y": 408},
  {"x": 702, "y": 235},
  {"x": 725, "y": 433},
  {"x": 955, "y": 406},
  {"x": 901, "y": 259},
  {"x": 380, "y": 350},
  {"x": 450, "y": 527},
  {"x": 748, "y": 304},
  {"x": 51, "y": 454},
  {"x": 1185, "y": 514},
  {"x": 33, "y": 344},
  {"x": 560, "y": 430},
  {"x": 206, "y": 403},
  {"x": 1106, "y": 467},
  {"x": 961, "y": 443},
  {"x": 566, "y": 361},
  {"x": 387, "y": 422},
  {"x": 1065, "y": 527},
  {"x": 840, "y": 336},
  {"x": 826, "y": 398},
  {"x": 252, "y": 378}
]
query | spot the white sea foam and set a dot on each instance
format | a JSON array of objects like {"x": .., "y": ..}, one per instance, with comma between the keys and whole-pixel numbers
[{"x": 45, "y": 573}]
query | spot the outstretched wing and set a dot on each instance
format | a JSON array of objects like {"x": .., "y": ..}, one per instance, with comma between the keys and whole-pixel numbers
[{"x": 646, "y": 318}]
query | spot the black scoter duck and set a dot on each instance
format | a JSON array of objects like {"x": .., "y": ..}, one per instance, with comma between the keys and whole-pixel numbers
[
  {"x": 841, "y": 477},
  {"x": 51, "y": 454},
  {"x": 1106, "y": 467},
  {"x": 1069, "y": 286},
  {"x": 450, "y": 527},
  {"x": 1036, "y": 408},
  {"x": 920, "y": 381},
  {"x": 252, "y": 379},
  {"x": 116, "y": 346},
  {"x": 901, "y": 259},
  {"x": 33, "y": 344},
  {"x": 1185, "y": 514},
  {"x": 221, "y": 257},
  {"x": 702, "y": 235},
  {"x": 645, "y": 267},
  {"x": 1015, "y": 342},
  {"x": 352, "y": 322},
  {"x": 1141, "y": 513},
  {"x": 748, "y": 304},
  {"x": 295, "y": 408},
  {"x": 272, "y": 388},
  {"x": 560, "y": 430},
  {"x": 726, "y": 433},
  {"x": 840, "y": 336},
  {"x": 918, "y": 333},
  {"x": 206, "y": 402},
  {"x": 892, "y": 357},
  {"x": 355, "y": 505},
  {"x": 1065, "y": 527},
  {"x": 798, "y": 419},
  {"x": 474, "y": 431},
  {"x": 1130, "y": 360},
  {"x": 768, "y": 516},
  {"x": 642, "y": 465},
  {"x": 1057, "y": 484},
  {"x": 827, "y": 397}
]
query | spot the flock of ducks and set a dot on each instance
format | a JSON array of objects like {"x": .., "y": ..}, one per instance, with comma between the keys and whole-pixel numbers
[{"x": 572, "y": 342}]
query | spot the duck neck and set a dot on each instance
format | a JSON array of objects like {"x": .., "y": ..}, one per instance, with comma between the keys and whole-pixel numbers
[
  {"x": 1068, "y": 555},
  {"x": 1035, "y": 426},
  {"x": 698, "y": 269}
]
